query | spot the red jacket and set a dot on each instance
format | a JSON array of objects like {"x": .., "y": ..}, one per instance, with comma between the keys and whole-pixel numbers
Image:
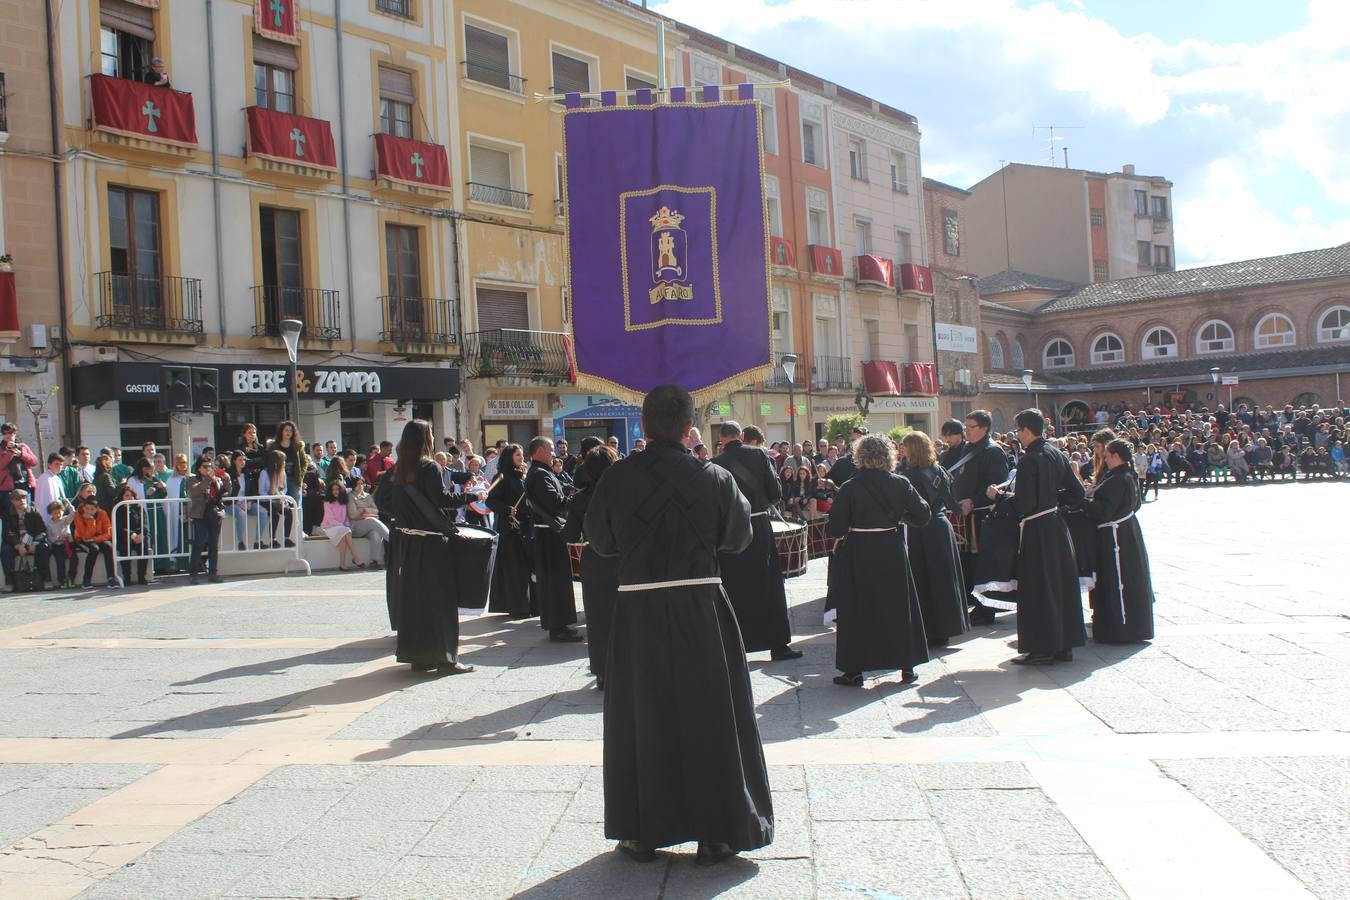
[
  {"x": 376, "y": 466},
  {"x": 7, "y": 456}
]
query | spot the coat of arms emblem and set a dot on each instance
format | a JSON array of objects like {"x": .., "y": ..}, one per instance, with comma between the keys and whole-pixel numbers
[{"x": 670, "y": 260}]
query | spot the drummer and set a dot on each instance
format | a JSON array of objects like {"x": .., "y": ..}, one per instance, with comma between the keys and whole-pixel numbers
[
  {"x": 753, "y": 578},
  {"x": 981, "y": 465}
]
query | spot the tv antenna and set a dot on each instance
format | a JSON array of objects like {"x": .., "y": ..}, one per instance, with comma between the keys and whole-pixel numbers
[{"x": 1054, "y": 137}]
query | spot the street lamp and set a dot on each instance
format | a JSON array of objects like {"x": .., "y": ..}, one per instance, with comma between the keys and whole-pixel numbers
[
  {"x": 789, "y": 364},
  {"x": 1026, "y": 383},
  {"x": 290, "y": 334}
]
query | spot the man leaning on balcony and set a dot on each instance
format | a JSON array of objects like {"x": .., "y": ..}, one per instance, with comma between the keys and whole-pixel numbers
[{"x": 156, "y": 74}]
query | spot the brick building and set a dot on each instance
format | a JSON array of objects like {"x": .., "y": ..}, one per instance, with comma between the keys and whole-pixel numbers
[{"x": 956, "y": 300}]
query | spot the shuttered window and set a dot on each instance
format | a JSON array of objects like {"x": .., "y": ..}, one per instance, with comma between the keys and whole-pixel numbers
[
  {"x": 275, "y": 54},
  {"x": 396, "y": 102},
  {"x": 397, "y": 85},
  {"x": 502, "y": 309},
  {"x": 488, "y": 57},
  {"x": 489, "y": 166},
  {"x": 570, "y": 74},
  {"x": 127, "y": 18}
]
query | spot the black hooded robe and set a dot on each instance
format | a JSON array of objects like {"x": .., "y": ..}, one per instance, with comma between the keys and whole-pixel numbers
[
  {"x": 552, "y": 584},
  {"x": 599, "y": 582},
  {"x": 511, "y": 578},
  {"x": 934, "y": 560},
  {"x": 1122, "y": 600}
]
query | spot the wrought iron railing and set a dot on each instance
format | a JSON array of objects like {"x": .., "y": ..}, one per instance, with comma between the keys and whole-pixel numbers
[
  {"x": 320, "y": 310},
  {"x": 420, "y": 320},
  {"x": 154, "y": 302},
  {"x": 394, "y": 7},
  {"x": 779, "y": 380},
  {"x": 498, "y": 78},
  {"x": 498, "y": 196},
  {"x": 832, "y": 373},
  {"x": 516, "y": 353}
]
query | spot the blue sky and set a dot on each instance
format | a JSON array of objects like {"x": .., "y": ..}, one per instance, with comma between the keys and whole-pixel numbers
[{"x": 1244, "y": 105}]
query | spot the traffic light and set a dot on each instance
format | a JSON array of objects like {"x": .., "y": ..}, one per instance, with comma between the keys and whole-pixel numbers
[
  {"x": 175, "y": 389},
  {"x": 205, "y": 390}
]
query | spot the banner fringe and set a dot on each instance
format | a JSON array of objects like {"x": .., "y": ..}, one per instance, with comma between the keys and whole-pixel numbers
[{"x": 702, "y": 396}]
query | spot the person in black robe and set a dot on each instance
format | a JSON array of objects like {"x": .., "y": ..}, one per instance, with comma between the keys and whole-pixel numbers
[
  {"x": 880, "y": 624},
  {"x": 511, "y": 576},
  {"x": 845, "y": 467},
  {"x": 754, "y": 577},
  {"x": 683, "y": 759},
  {"x": 953, "y": 446},
  {"x": 415, "y": 499},
  {"x": 546, "y": 503},
  {"x": 1049, "y": 607},
  {"x": 982, "y": 464},
  {"x": 933, "y": 557},
  {"x": 599, "y": 574},
  {"x": 1122, "y": 600}
]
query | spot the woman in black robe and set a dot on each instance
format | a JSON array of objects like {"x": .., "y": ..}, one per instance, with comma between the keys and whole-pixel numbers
[
  {"x": 511, "y": 578},
  {"x": 599, "y": 574},
  {"x": 880, "y": 624},
  {"x": 933, "y": 557},
  {"x": 1122, "y": 601},
  {"x": 414, "y": 496}
]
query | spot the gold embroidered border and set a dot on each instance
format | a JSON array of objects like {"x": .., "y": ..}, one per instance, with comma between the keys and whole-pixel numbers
[{"x": 623, "y": 257}]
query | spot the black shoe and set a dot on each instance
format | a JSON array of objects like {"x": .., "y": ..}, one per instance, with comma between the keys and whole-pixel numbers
[
  {"x": 290, "y": 543},
  {"x": 982, "y": 615},
  {"x": 241, "y": 546},
  {"x": 418, "y": 667},
  {"x": 907, "y": 676},
  {"x": 566, "y": 635},
  {"x": 637, "y": 852},
  {"x": 1064, "y": 655},
  {"x": 192, "y": 579},
  {"x": 938, "y": 643},
  {"x": 599, "y": 682},
  {"x": 785, "y": 652},
  {"x": 849, "y": 679},
  {"x": 1034, "y": 659},
  {"x": 710, "y": 853},
  {"x": 454, "y": 668},
  {"x": 215, "y": 579}
]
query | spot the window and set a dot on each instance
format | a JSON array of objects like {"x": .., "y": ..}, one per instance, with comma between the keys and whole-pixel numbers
[
  {"x": 781, "y": 321},
  {"x": 862, "y": 230},
  {"x": 911, "y": 342},
  {"x": 1141, "y": 203},
  {"x": 282, "y": 270},
  {"x": 1058, "y": 354},
  {"x": 899, "y": 173},
  {"x": 1275, "y": 330},
  {"x": 774, "y": 206},
  {"x": 1159, "y": 343},
  {"x": 1214, "y": 337},
  {"x": 768, "y": 111},
  {"x": 133, "y": 250},
  {"x": 487, "y": 59},
  {"x": 996, "y": 360},
  {"x": 905, "y": 244},
  {"x": 951, "y": 233},
  {"x": 1107, "y": 349},
  {"x": 498, "y": 308},
  {"x": 488, "y": 166},
  {"x": 403, "y": 259},
  {"x": 396, "y": 102},
  {"x": 400, "y": 8},
  {"x": 826, "y": 324},
  {"x": 811, "y": 151},
  {"x": 495, "y": 176},
  {"x": 1019, "y": 360},
  {"x": 1099, "y": 270},
  {"x": 570, "y": 74},
  {"x": 705, "y": 71},
  {"x": 857, "y": 159},
  {"x": 274, "y": 68},
  {"x": 126, "y": 39},
  {"x": 872, "y": 338},
  {"x": 559, "y": 204},
  {"x": 1335, "y": 324},
  {"x": 1158, "y": 207},
  {"x": 817, "y": 218},
  {"x": 1162, "y": 257},
  {"x": 1145, "y": 254},
  {"x": 1098, "y": 217},
  {"x": 634, "y": 83}
]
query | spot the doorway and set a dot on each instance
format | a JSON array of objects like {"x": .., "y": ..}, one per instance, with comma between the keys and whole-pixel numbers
[
  {"x": 513, "y": 432},
  {"x": 576, "y": 429}
]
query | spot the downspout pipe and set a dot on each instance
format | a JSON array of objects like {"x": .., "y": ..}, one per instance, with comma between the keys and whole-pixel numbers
[
  {"x": 59, "y": 216},
  {"x": 215, "y": 166},
  {"x": 346, "y": 192}
]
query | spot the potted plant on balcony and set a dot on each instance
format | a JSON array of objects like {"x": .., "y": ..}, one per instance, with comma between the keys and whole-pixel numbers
[{"x": 6, "y": 263}]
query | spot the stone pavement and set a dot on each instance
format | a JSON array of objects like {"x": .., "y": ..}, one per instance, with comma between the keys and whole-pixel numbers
[{"x": 256, "y": 739}]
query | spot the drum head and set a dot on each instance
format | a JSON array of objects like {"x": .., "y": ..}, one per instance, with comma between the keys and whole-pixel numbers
[
  {"x": 782, "y": 528},
  {"x": 474, "y": 533}
]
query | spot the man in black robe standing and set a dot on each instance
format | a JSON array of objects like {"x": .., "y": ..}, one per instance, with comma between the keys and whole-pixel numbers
[
  {"x": 754, "y": 577},
  {"x": 683, "y": 759},
  {"x": 1049, "y": 605},
  {"x": 983, "y": 463},
  {"x": 953, "y": 443},
  {"x": 546, "y": 504},
  {"x": 844, "y": 467}
]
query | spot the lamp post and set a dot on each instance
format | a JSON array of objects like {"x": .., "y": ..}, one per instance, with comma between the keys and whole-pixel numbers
[
  {"x": 1026, "y": 383},
  {"x": 1214, "y": 378},
  {"x": 789, "y": 364},
  {"x": 290, "y": 334}
]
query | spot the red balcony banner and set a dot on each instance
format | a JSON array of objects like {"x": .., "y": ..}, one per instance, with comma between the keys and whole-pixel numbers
[
  {"x": 916, "y": 278},
  {"x": 9, "y": 309},
  {"x": 276, "y": 19},
  {"x": 826, "y": 261},
  {"x": 782, "y": 252},
  {"x": 290, "y": 138},
  {"x": 920, "y": 378},
  {"x": 881, "y": 378},
  {"x": 139, "y": 110},
  {"x": 411, "y": 162},
  {"x": 876, "y": 270}
]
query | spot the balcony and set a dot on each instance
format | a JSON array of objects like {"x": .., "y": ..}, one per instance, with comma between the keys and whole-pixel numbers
[
  {"x": 320, "y": 310},
  {"x": 881, "y": 378},
  {"x": 498, "y": 78},
  {"x": 408, "y": 168},
  {"x": 916, "y": 279},
  {"x": 832, "y": 373},
  {"x": 427, "y": 323},
  {"x": 285, "y": 147},
  {"x": 165, "y": 304},
  {"x": 400, "y": 8},
  {"x": 518, "y": 355},
  {"x": 782, "y": 252},
  {"x": 826, "y": 260},
  {"x": 131, "y": 119},
  {"x": 1161, "y": 224},
  {"x": 495, "y": 195},
  {"x": 779, "y": 381},
  {"x": 874, "y": 272}
]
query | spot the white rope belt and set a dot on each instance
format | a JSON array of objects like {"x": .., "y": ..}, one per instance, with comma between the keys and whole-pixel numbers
[
  {"x": 662, "y": 585},
  {"x": 1115, "y": 542},
  {"x": 537, "y": 525},
  {"x": 417, "y": 532},
  {"x": 874, "y": 530},
  {"x": 1023, "y": 524}
]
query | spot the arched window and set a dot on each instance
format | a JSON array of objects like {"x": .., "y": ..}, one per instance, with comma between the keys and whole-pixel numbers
[
  {"x": 998, "y": 423},
  {"x": 1019, "y": 359},
  {"x": 1159, "y": 343},
  {"x": 1307, "y": 398},
  {"x": 1107, "y": 349},
  {"x": 995, "y": 353},
  {"x": 1275, "y": 330},
  {"x": 1335, "y": 324},
  {"x": 1058, "y": 354},
  {"x": 1214, "y": 337}
]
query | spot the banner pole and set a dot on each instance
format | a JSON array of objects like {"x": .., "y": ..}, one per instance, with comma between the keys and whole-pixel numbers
[{"x": 660, "y": 54}]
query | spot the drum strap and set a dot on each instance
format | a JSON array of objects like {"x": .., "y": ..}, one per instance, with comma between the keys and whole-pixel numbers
[
  {"x": 661, "y": 585},
  {"x": 425, "y": 508},
  {"x": 873, "y": 530}
]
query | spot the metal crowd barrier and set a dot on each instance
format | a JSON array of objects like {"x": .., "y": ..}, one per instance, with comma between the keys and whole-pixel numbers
[{"x": 252, "y": 524}]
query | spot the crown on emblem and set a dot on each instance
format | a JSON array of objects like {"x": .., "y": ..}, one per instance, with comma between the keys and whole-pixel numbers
[{"x": 666, "y": 218}]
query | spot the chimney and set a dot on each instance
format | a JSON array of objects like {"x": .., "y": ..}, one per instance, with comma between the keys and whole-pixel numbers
[{"x": 1127, "y": 169}]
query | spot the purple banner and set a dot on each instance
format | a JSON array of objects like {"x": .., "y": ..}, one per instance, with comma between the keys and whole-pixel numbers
[{"x": 667, "y": 247}]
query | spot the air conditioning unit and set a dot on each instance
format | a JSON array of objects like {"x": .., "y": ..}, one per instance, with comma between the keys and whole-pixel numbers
[
  {"x": 105, "y": 354},
  {"x": 22, "y": 364}
]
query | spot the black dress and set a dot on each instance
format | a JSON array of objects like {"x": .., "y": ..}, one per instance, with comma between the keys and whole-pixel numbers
[
  {"x": 511, "y": 577},
  {"x": 427, "y": 583},
  {"x": 984, "y": 464},
  {"x": 683, "y": 760},
  {"x": 934, "y": 560},
  {"x": 552, "y": 584},
  {"x": 599, "y": 582},
  {"x": 880, "y": 624},
  {"x": 1122, "y": 601}
]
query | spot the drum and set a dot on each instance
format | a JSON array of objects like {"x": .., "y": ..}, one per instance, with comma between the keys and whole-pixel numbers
[
  {"x": 790, "y": 539},
  {"x": 574, "y": 551},
  {"x": 818, "y": 541},
  {"x": 996, "y": 564},
  {"x": 474, "y": 552}
]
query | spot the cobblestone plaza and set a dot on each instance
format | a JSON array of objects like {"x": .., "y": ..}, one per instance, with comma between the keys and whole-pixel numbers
[{"x": 257, "y": 739}]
